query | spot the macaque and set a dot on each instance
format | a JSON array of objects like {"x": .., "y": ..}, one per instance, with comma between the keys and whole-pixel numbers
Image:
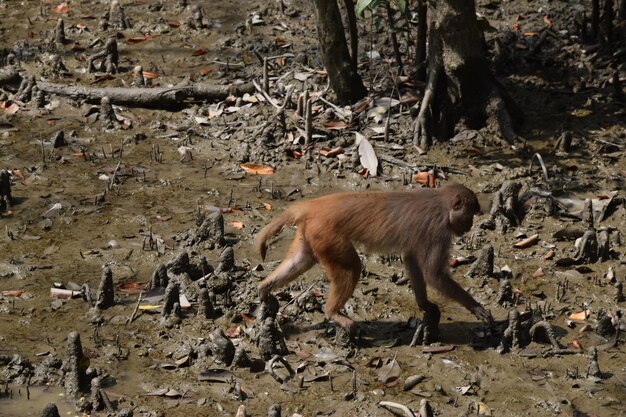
[{"x": 418, "y": 224}]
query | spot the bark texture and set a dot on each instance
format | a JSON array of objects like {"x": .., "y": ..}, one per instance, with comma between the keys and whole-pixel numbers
[
  {"x": 344, "y": 79},
  {"x": 465, "y": 88}
]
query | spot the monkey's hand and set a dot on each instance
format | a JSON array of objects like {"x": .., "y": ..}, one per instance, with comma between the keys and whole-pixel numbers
[{"x": 483, "y": 314}]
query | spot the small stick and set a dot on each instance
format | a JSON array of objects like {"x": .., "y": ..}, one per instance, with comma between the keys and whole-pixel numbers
[
  {"x": 308, "y": 119},
  {"x": 266, "y": 78},
  {"x": 132, "y": 316}
]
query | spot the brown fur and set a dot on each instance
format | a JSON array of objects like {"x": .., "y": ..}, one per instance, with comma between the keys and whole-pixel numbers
[{"x": 417, "y": 224}]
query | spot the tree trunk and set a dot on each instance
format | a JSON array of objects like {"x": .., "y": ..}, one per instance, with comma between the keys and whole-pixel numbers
[
  {"x": 344, "y": 78},
  {"x": 464, "y": 88}
]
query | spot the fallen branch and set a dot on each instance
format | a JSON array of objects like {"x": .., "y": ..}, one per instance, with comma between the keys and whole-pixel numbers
[{"x": 157, "y": 97}]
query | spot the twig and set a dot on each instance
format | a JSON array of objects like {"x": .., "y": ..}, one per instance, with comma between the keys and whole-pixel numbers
[
  {"x": 298, "y": 296},
  {"x": 132, "y": 316}
]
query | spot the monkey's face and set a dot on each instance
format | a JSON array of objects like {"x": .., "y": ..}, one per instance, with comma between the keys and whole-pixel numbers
[{"x": 462, "y": 213}]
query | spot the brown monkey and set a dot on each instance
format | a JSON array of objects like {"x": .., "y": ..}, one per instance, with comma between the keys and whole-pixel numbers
[{"x": 418, "y": 224}]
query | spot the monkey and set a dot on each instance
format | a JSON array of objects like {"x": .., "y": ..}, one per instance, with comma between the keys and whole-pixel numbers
[{"x": 418, "y": 224}]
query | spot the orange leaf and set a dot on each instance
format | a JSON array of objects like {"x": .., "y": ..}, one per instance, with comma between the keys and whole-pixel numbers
[
  {"x": 147, "y": 74},
  {"x": 579, "y": 316},
  {"x": 575, "y": 344},
  {"x": 199, "y": 52},
  {"x": 257, "y": 169},
  {"x": 12, "y": 109},
  {"x": 136, "y": 39},
  {"x": 267, "y": 206},
  {"x": 335, "y": 124},
  {"x": 547, "y": 21},
  {"x": 248, "y": 320},
  {"x": 132, "y": 287},
  {"x": 18, "y": 174},
  {"x": 526, "y": 242},
  {"x": 173, "y": 24},
  {"x": 12, "y": 293},
  {"x": 62, "y": 8},
  {"x": 233, "y": 331},
  {"x": 331, "y": 152},
  {"x": 236, "y": 224},
  {"x": 425, "y": 178}
]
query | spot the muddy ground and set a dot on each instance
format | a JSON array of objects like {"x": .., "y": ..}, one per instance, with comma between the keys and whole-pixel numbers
[{"x": 169, "y": 167}]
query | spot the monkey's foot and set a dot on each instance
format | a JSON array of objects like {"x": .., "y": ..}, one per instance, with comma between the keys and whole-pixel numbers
[{"x": 427, "y": 331}]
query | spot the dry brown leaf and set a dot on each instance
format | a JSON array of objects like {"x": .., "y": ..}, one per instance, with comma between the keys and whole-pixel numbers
[
  {"x": 390, "y": 372},
  {"x": 267, "y": 206},
  {"x": 62, "y": 8},
  {"x": 425, "y": 178},
  {"x": 12, "y": 293},
  {"x": 579, "y": 316},
  {"x": 257, "y": 169},
  {"x": 236, "y": 224},
  {"x": 199, "y": 52},
  {"x": 335, "y": 124}
]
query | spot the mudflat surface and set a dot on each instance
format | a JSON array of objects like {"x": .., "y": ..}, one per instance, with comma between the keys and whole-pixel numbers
[{"x": 171, "y": 166}]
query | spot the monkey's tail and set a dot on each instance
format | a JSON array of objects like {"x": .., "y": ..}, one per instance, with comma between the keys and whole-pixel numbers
[{"x": 287, "y": 217}]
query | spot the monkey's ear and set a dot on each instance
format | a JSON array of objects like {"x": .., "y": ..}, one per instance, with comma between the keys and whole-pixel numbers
[{"x": 457, "y": 202}]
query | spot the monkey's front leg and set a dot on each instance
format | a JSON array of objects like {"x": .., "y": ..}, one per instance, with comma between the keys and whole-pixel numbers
[
  {"x": 450, "y": 288},
  {"x": 428, "y": 331}
]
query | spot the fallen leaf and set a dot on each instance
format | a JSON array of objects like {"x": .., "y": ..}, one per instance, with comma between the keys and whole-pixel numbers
[
  {"x": 575, "y": 344},
  {"x": 367, "y": 156},
  {"x": 12, "y": 293},
  {"x": 425, "y": 178},
  {"x": 199, "y": 52},
  {"x": 233, "y": 332},
  {"x": 257, "y": 169},
  {"x": 132, "y": 287},
  {"x": 267, "y": 206},
  {"x": 390, "y": 372},
  {"x": 148, "y": 74},
  {"x": 62, "y": 8},
  {"x": 173, "y": 24},
  {"x": 12, "y": 109},
  {"x": 547, "y": 21},
  {"x": 529, "y": 241},
  {"x": 216, "y": 375},
  {"x": 331, "y": 152},
  {"x": 538, "y": 273},
  {"x": 136, "y": 39},
  {"x": 236, "y": 224},
  {"x": 335, "y": 124},
  {"x": 579, "y": 316}
]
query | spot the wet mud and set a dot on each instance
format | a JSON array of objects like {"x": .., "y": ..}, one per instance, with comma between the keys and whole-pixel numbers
[{"x": 136, "y": 237}]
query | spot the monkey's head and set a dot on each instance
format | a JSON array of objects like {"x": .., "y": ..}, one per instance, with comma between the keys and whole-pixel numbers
[{"x": 463, "y": 205}]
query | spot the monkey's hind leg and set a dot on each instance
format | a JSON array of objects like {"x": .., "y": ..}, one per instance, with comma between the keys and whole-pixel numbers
[
  {"x": 299, "y": 260},
  {"x": 343, "y": 267}
]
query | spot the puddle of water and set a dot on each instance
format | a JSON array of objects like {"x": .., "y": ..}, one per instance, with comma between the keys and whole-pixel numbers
[{"x": 19, "y": 403}]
